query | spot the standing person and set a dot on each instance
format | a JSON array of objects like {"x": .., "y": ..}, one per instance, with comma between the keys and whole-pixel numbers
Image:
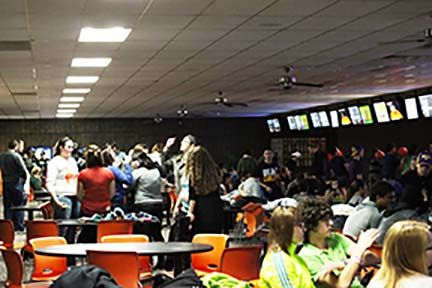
[
  {"x": 376, "y": 166},
  {"x": 205, "y": 205},
  {"x": 96, "y": 184},
  {"x": 319, "y": 161},
  {"x": 355, "y": 170},
  {"x": 391, "y": 162},
  {"x": 61, "y": 182},
  {"x": 14, "y": 175},
  {"x": 269, "y": 173},
  {"x": 123, "y": 176},
  {"x": 406, "y": 257},
  {"x": 338, "y": 167}
]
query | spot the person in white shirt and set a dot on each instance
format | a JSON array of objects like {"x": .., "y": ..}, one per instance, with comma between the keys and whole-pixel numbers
[
  {"x": 62, "y": 175},
  {"x": 406, "y": 257}
]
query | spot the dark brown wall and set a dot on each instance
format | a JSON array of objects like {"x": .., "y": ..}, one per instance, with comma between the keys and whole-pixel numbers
[{"x": 226, "y": 139}]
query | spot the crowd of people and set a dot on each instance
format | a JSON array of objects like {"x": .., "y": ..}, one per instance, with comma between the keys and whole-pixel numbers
[{"x": 394, "y": 185}]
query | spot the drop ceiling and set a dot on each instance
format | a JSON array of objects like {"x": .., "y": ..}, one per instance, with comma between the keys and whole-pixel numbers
[{"x": 181, "y": 53}]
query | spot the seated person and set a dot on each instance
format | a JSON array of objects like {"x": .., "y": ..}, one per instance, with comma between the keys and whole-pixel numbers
[
  {"x": 405, "y": 257},
  {"x": 367, "y": 214},
  {"x": 286, "y": 231},
  {"x": 335, "y": 194},
  {"x": 358, "y": 192},
  {"x": 332, "y": 259},
  {"x": 249, "y": 189}
]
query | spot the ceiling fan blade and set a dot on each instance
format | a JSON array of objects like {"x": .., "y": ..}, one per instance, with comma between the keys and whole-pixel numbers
[
  {"x": 314, "y": 85},
  {"x": 419, "y": 40}
]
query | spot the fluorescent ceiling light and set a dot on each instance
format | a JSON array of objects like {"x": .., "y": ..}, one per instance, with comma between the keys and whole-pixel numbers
[
  {"x": 90, "y": 62},
  {"x": 64, "y": 115},
  {"x": 76, "y": 90},
  {"x": 115, "y": 34},
  {"x": 67, "y": 111},
  {"x": 72, "y": 99},
  {"x": 68, "y": 105},
  {"x": 81, "y": 79}
]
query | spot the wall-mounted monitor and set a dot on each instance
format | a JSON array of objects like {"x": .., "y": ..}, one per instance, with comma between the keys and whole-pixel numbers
[
  {"x": 273, "y": 125},
  {"x": 426, "y": 105},
  {"x": 366, "y": 114},
  {"x": 316, "y": 123},
  {"x": 334, "y": 119},
  {"x": 305, "y": 122},
  {"x": 381, "y": 112},
  {"x": 344, "y": 117},
  {"x": 324, "y": 119},
  {"x": 356, "y": 118},
  {"x": 394, "y": 110},
  {"x": 292, "y": 124},
  {"x": 411, "y": 108}
]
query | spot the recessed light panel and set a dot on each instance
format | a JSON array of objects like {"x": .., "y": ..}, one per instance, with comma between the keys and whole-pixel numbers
[
  {"x": 82, "y": 79},
  {"x": 72, "y": 99},
  {"x": 90, "y": 62},
  {"x": 76, "y": 90},
  {"x": 115, "y": 34}
]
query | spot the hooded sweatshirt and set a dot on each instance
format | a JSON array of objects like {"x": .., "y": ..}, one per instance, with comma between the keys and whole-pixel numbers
[{"x": 366, "y": 215}]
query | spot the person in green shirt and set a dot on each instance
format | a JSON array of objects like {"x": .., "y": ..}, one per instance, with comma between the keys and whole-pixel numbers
[
  {"x": 332, "y": 259},
  {"x": 282, "y": 267}
]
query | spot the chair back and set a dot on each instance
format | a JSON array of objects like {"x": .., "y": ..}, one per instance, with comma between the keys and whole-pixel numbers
[
  {"x": 114, "y": 227},
  {"x": 144, "y": 261},
  {"x": 7, "y": 233},
  {"x": 38, "y": 229},
  {"x": 209, "y": 261},
  {"x": 47, "y": 210},
  {"x": 123, "y": 266},
  {"x": 14, "y": 267},
  {"x": 242, "y": 263},
  {"x": 47, "y": 267}
]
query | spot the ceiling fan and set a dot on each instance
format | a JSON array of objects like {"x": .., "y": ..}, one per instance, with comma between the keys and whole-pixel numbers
[
  {"x": 288, "y": 80},
  {"x": 220, "y": 100},
  {"x": 426, "y": 38}
]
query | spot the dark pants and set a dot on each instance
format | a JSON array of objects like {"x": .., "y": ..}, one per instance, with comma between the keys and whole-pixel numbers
[{"x": 13, "y": 195}]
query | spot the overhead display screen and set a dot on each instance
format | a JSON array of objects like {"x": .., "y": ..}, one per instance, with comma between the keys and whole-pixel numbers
[
  {"x": 315, "y": 120},
  {"x": 356, "y": 118},
  {"x": 292, "y": 123},
  {"x": 344, "y": 117},
  {"x": 394, "y": 110},
  {"x": 366, "y": 114},
  {"x": 381, "y": 112},
  {"x": 324, "y": 119},
  {"x": 426, "y": 105},
  {"x": 411, "y": 108},
  {"x": 274, "y": 125},
  {"x": 334, "y": 119},
  {"x": 304, "y": 121}
]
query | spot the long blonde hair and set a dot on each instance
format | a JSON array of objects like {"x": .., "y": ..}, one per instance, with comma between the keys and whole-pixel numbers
[
  {"x": 282, "y": 224},
  {"x": 202, "y": 171},
  {"x": 404, "y": 252}
]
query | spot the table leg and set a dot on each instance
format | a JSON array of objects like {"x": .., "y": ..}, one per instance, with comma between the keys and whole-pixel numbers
[
  {"x": 181, "y": 262},
  {"x": 30, "y": 215}
]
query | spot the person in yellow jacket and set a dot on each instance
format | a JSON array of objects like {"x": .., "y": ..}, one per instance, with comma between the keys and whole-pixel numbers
[{"x": 282, "y": 267}]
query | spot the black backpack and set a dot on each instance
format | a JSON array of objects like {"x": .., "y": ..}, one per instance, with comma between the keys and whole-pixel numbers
[
  {"x": 187, "y": 279},
  {"x": 87, "y": 276}
]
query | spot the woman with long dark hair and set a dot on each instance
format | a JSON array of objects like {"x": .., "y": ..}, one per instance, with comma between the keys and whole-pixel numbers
[{"x": 205, "y": 205}]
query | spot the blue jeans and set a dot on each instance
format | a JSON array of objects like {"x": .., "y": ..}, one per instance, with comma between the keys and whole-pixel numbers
[
  {"x": 70, "y": 212},
  {"x": 13, "y": 195}
]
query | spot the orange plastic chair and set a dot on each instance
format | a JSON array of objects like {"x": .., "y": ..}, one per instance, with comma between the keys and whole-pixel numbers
[
  {"x": 144, "y": 261},
  {"x": 114, "y": 227},
  {"x": 253, "y": 218},
  {"x": 15, "y": 270},
  {"x": 242, "y": 263},
  {"x": 123, "y": 266},
  {"x": 47, "y": 267},
  {"x": 7, "y": 233},
  {"x": 208, "y": 262},
  {"x": 38, "y": 229}
]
